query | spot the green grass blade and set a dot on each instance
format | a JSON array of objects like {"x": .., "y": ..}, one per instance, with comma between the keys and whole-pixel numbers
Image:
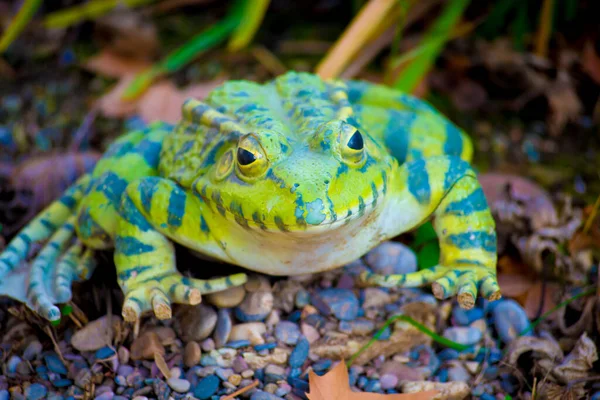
[
  {"x": 19, "y": 23},
  {"x": 90, "y": 10},
  {"x": 203, "y": 41},
  {"x": 254, "y": 12},
  {"x": 434, "y": 41}
]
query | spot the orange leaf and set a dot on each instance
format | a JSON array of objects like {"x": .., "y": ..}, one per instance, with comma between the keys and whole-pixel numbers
[
  {"x": 334, "y": 386},
  {"x": 114, "y": 65}
]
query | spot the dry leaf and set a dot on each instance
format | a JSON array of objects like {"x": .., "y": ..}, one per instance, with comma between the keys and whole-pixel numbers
[
  {"x": 534, "y": 299},
  {"x": 334, "y": 386},
  {"x": 113, "y": 65},
  {"x": 591, "y": 61}
]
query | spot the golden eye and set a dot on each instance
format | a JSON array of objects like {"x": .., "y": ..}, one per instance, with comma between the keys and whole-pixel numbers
[
  {"x": 225, "y": 165},
  {"x": 250, "y": 156},
  {"x": 352, "y": 145}
]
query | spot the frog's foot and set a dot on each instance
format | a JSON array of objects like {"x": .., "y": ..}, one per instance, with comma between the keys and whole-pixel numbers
[
  {"x": 447, "y": 281},
  {"x": 75, "y": 265},
  {"x": 156, "y": 294}
]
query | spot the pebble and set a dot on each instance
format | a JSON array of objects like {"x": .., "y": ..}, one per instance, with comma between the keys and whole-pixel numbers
[
  {"x": 256, "y": 306},
  {"x": 145, "y": 345},
  {"x": 105, "y": 353},
  {"x": 342, "y": 303},
  {"x": 302, "y": 298},
  {"x": 54, "y": 364},
  {"x": 196, "y": 322},
  {"x": 300, "y": 353},
  {"x": 123, "y": 355},
  {"x": 35, "y": 391},
  {"x": 206, "y": 387},
  {"x": 310, "y": 332},
  {"x": 251, "y": 331},
  {"x": 260, "y": 395},
  {"x": 287, "y": 332},
  {"x": 223, "y": 327},
  {"x": 463, "y": 335},
  {"x": 179, "y": 385},
  {"x": 375, "y": 297},
  {"x": 509, "y": 319},
  {"x": 392, "y": 258},
  {"x": 235, "y": 379},
  {"x": 33, "y": 350},
  {"x": 227, "y": 298},
  {"x": 388, "y": 381},
  {"x": 359, "y": 327},
  {"x": 4, "y": 395},
  {"x": 96, "y": 334},
  {"x": 274, "y": 373},
  {"x": 191, "y": 354}
]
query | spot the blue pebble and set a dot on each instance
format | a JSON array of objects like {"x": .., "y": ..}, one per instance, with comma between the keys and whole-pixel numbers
[
  {"x": 238, "y": 344},
  {"x": 12, "y": 364},
  {"x": 298, "y": 383},
  {"x": 42, "y": 372},
  {"x": 509, "y": 320},
  {"x": 443, "y": 375},
  {"x": 105, "y": 353},
  {"x": 425, "y": 353},
  {"x": 463, "y": 335},
  {"x": 63, "y": 382},
  {"x": 302, "y": 298},
  {"x": 300, "y": 353},
  {"x": 295, "y": 372},
  {"x": 491, "y": 372},
  {"x": 120, "y": 380},
  {"x": 372, "y": 386},
  {"x": 260, "y": 395},
  {"x": 208, "y": 361},
  {"x": 287, "y": 332},
  {"x": 120, "y": 398},
  {"x": 125, "y": 370},
  {"x": 322, "y": 365},
  {"x": 265, "y": 346},
  {"x": 362, "y": 381},
  {"x": 223, "y": 327},
  {"x": 487, "y": 396},
  {"x": 207, "y": 387},
  {"x": 342, "y": 303},
  {"x": 464, "y": 317},
  {"x": 55, "y": 364},
  {"x": 260, "y": 374},
  {"x": 595, "y": 396},
  {"x": 35, "y": 391},
  {"x": 352, "y": 376},
  {"x": 386, "y": 334},
  {"x": 295, "y": 316},
  {"x": 315, "y": 320},
  {"x": 105, "y": 396},
  {"x": 448, "y": 354},
  {"x": 4, "y": 395}
]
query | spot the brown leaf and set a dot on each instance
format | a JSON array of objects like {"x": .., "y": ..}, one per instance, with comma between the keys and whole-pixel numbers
[
  {"x": 591, "y": 61},
  {"x": 334, "y": 386},
  {"x": 534, "y": 298},
  {"x": 113, "y": 65}
]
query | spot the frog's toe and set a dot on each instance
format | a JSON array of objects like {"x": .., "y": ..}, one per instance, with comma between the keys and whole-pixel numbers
[
  {"x": 489, "y": 288},
  {"x": 161, "y": 304},
  {"x": 413, "y": 279},
  {"x": 218, "y": 284}
]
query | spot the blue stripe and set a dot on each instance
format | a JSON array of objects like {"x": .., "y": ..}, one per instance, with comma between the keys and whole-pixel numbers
[
  {"x": 112, "y": 186},
  {"x": 454, "y": 140},
  {"x": 176, "y": 207},
  {"x": 456, "y": 170},
  {"x": 397, "y": 133},
  {"x": 146, "y": 188},
  {"x": 131, "y": 214},
  {"x": 133, "y": 271},
  {"x": 473, "y": 240},
  {"x": 468, "y": 205},
  {"x": 418, "y": 181},
  {"x": 130, "y": 246},
  {"x": 150, "y": 151}
]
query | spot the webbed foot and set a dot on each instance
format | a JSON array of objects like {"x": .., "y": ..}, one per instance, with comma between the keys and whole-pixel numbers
[{"x": 159, "y": 292}]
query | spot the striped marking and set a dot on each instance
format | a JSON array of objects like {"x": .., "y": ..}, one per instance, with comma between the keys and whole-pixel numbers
[
  {"x": 468, "y": 205},
  {"x": 176, "y": 208},
  {"x": 418, "y": 181},
  {"x": 473, "y": 240},
  {"x": 131, "y": 246}
]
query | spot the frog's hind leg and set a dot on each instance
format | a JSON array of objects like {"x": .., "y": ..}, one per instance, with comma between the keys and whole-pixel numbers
[{"x": 409, "y": 126}]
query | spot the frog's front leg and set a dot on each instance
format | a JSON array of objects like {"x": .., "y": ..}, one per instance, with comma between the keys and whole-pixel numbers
[
  {"x": 446, "y": 188},
  {"x": 151, "y": 211}
]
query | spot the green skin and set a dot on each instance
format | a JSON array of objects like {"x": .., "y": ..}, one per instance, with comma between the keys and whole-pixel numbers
[{"x": 295, "y": 176}]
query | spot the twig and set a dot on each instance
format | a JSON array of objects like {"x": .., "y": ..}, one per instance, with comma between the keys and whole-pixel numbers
[{"x": 241, "y": 391}]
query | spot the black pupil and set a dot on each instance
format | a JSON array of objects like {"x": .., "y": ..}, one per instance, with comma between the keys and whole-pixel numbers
[
  {"x": 356, "y": 141},
  {"x": 245, "y": 157}
]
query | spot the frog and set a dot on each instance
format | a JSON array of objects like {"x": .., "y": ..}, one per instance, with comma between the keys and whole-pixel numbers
[{"x": 296, "y": 175}]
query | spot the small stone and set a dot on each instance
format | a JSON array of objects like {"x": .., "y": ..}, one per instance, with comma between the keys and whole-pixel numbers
[
  {"x": 105, "y": 396},
  {"x": 235, "y": 379},
  {"x": 196, "y": 322},
  {"x": 274, "y": 373},
  {"x": 300, "y": 353},
  {"x": 96, "y": 334},
  {"x": 4, "y": 395},
  {"x": 207, "y": 345},
  {"x": 123, "y": 354},
  {"x": 35, "y": 391},
  {"x": 361, "y": 327},
  {"x": 260, "y": 395},
  {"x": 54, "y": 364},
  {"x": 179, "y": 385},
  {"x": 449, "y": 390},
  {"x": 223, "y": 328},
  {"x": 463, "y": 335},
  {"x": 310, "y": 333},
  {"x": 206, "y": 387},
  {"x": 144, "y": 346},
  {"x": 457, "y": 372},
  {"x": 375, "y": 297},
  {"x": 388, "y": 381},
  {"x": 227, "y": 298},
  {"x": 239, "y": 365},
  {"x": 33, "y": 350},
  {"x": 251, "y": 331},
  {"x": 510, "y": 319},
  {"x": 192, "y": 354},
  {"x": 392, "y": 258},
  {"x": 256, "y": 306},
  {"x": 342, "y": 303},
  {"x": 302, "y": 298},
  {"x": 105, "y": 353},
  {"x": 287, "y": 332},
  {"x": 401, "y": 371}
]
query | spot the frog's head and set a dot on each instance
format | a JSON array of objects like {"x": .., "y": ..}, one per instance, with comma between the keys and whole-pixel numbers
[{"x": 279, "y": 182}]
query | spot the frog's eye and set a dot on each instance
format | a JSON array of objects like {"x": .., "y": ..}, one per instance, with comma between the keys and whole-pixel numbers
[
  {"x": 352, "y": 146},
  {"x": 251, "y": 159}
]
